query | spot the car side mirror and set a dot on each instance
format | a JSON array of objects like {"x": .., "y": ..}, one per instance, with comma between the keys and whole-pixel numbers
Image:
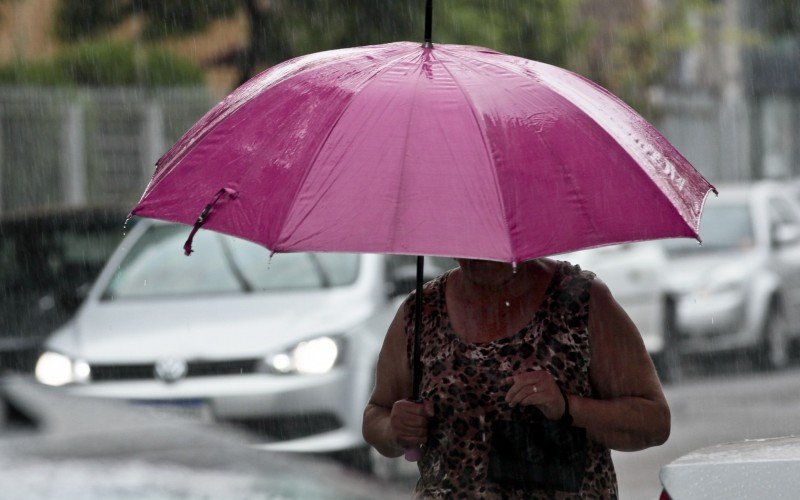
[
  {"x": 70, "y": 300},
  {"x": 785, "y": 234}
]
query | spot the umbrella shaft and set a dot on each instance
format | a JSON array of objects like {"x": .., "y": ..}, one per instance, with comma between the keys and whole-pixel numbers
[
  {"x": 428, "y": 25},
  {"x": 416, "y": 364}
]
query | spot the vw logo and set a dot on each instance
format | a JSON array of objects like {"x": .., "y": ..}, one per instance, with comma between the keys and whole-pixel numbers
[{"x": 170, "y": 370}]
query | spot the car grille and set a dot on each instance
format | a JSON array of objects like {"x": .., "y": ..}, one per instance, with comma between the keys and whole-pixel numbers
[
  {"x": 285, "y": 427},
  {"x": 106, "y": 373}
]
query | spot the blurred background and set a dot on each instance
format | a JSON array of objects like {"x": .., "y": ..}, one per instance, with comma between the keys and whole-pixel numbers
[{"x": 93, "y": 93}]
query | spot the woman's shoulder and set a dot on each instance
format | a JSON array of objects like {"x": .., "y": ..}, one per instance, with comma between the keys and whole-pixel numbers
[
  {"x": 430, "y": 292},
  {"x": 573, "y": 274}
]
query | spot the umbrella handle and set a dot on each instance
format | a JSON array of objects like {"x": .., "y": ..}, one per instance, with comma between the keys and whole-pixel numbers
[
  {"x": 201, "y": 219},
  {"x": 413, "y": 454}
]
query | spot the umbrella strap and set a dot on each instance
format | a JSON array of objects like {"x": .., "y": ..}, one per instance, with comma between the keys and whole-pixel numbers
[
  {"x": 416, "y": 364},
  {"x": 203, "y": 217}
]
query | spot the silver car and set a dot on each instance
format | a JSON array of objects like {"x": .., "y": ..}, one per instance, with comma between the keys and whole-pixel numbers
[
  {"x": 740, "y": 289},
  {"x": 633, "y": 273},
  {"x": 748, "y": 470},
  {"x": 283, "y": 346}
]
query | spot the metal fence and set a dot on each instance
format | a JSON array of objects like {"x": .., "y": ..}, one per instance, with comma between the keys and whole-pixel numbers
[
  {"x": 78, "y": 146},
  {"x": 87, "y": 146}
]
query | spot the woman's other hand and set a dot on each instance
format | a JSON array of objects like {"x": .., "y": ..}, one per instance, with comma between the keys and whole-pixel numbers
[
  {"x": 409, "y": 422},
  {"x": 536, "y": 388}
]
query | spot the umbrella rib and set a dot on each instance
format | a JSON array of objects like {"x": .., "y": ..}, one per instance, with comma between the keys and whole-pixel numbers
[
  {"x": 386, "y": 67},
  {"x": 236, "y": 101},
  {"x": 396, "y": 214},
  {"x": 633, "y": 155},
  {"x": 530, "y": 73},
  {"x": 487, "y": 150}
]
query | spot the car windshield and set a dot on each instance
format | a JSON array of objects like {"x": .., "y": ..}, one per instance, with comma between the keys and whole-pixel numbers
[
  {"x": 723, "y": 227},
  {"x": 156, "y": 267}
]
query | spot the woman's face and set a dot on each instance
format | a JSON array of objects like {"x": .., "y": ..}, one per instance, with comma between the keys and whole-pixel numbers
[{"x": 485, "y": 272}]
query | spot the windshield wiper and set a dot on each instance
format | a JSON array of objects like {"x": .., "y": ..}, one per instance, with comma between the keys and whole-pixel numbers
[{"x": 234, "y": 268}]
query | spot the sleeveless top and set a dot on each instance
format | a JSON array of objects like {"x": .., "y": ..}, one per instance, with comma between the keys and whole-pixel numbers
[{"x": 465, "y": 382}]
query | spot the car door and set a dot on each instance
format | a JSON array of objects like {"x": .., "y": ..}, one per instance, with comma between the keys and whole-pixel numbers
[
  {"x": 632, "y": 272},
  {"x": 785, "y": 246}
]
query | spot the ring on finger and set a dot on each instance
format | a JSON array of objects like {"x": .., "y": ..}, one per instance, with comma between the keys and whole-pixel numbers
[{"x": 535, "y": 389}]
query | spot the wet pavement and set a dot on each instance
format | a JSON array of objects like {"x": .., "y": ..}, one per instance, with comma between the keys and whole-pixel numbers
[
  {"x": 728, "y": 406},
  {"x": 96, "y": 450},
  {"x": 732, "y": 404},
  {"x": 56, "y": 446}
]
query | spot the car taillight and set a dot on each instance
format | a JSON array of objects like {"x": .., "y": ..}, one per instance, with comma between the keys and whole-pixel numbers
[{"x": 664, "y": 495}]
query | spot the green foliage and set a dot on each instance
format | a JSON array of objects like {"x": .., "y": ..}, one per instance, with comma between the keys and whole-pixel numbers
[
  {"x": 543, "y": 30},
  {"x": 538, "y": 29},
  {"x": 783, "y": 17},
  {"x": 80, "y": 19},
  {"x": 111, "y": 64},
  {"x": 625, "y": 45}
]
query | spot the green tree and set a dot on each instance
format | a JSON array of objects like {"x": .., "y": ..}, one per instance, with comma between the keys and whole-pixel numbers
[
  {"x": 80, "y": 19},
  {"x": 783, "y": 18},
  {"x": 106, "y": 64},
  {"x": 625, "y": 45}
]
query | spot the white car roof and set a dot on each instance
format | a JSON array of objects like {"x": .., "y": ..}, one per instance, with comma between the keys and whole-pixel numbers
[
  {"x": 746, "y": 469},
  {"x": 733, "y": 193}
]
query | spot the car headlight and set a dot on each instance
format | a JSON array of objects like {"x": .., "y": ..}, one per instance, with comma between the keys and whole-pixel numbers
[
  {"x": 721, "y": 287},
  {"x": 312, "y": 357},
  {"x": 56, "y": 369}
]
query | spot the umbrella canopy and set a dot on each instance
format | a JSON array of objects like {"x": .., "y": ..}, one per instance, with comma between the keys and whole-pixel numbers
[{"x": 439, "y": 150}]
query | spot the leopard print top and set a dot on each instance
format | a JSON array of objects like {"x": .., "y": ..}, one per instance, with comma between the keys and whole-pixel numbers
[{"x": 465, "y": 383}]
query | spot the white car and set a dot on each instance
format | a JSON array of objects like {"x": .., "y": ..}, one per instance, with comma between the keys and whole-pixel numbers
[
  {"x": 83, "y": 448},
  {"x": 285, "y": 347},
  {"x": 634, "y": 273},
  {"x": 749, "y": 470},
  {"x": 740, "y": 290}
]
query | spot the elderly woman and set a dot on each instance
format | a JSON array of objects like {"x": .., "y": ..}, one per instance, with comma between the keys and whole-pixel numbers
[{"x": 545, "y": 347}]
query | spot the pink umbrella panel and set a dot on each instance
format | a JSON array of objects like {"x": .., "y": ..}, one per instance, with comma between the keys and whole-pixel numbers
[{"x": 447, "y": 150}]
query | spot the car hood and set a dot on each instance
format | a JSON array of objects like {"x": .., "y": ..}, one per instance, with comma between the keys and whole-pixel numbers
[
  {"x": 687, "y": 273},
  {"x": 212, "y": 328},
  {"x": 736, "y": 470}
]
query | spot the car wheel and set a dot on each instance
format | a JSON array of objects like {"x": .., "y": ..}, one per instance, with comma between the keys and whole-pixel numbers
[
  {"x": 367, "y": 459},
  {"x": 359, "y": 459},
  {"x": 383, "y": 467},
  {"x": 669, "y": 362},
  {"x": 773, "y": 351},
  {"x": 668, "y": 365}
]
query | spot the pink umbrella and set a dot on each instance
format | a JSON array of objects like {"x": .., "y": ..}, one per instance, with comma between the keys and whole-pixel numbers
[{"x": 440, "y": 150}]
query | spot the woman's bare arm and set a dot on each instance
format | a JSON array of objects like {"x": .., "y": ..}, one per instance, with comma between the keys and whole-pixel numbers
[
  {"x": 391, "y": 422},
  {"x": 630, "y": 412}
]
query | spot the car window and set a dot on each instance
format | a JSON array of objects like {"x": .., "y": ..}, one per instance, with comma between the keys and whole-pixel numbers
[
  {"x": 156, "y": 267},
  {"x": 723, "y": 227}
]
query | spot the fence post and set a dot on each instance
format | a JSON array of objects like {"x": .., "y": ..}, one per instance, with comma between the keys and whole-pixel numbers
[
  {"x": 2, "y": 155},
  {"x": 74, "y": 146},
  {"x": 152, "y": 137}
]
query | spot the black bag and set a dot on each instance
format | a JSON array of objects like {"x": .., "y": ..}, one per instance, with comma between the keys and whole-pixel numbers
[{"x": 536, "y": 453}]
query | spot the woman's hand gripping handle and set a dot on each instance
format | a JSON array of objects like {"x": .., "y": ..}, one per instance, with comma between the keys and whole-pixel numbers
[{"x": 409, "y": 424}]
